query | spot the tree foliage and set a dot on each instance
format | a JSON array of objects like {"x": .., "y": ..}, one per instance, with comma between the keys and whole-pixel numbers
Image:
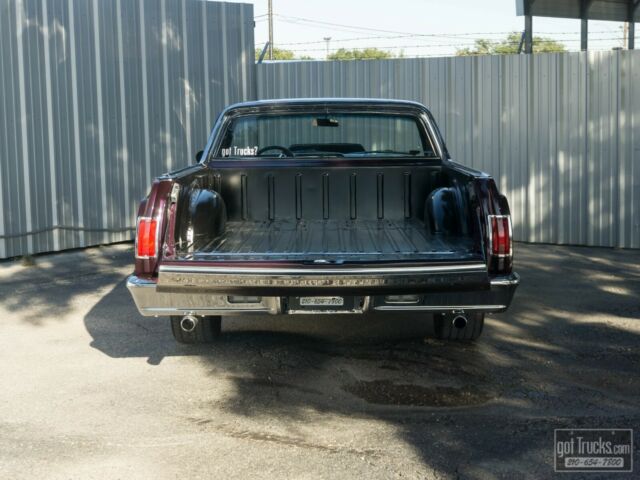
[
  {"x": 278, "y": 54},
  {"x": 355, "y": 54},
  {"x": 485, "y": 46}
]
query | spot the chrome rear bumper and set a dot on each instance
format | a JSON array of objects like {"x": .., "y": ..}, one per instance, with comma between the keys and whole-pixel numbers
[{"x": 153, "y": 301}]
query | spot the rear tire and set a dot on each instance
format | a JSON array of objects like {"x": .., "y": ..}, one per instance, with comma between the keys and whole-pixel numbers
[
  {"x": 445, "y": 330},
  {"x": 206, "y": 331}
]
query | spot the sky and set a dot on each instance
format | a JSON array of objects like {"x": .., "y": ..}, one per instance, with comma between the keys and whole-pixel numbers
[{"x": 437, "y": 27}]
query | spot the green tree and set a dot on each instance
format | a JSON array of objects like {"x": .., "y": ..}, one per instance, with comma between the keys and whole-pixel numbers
[
  {"x": 282, "y": 54},
  {"x": 278, "y": 54},
  {"x": 485, "y": 46},
  {"x": 355, "y": 54}
]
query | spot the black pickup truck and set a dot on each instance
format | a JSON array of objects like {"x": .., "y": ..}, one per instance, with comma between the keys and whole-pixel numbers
[{"x": 324, "y": 206}]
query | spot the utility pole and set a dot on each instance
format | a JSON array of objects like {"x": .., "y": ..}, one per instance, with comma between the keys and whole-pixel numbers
[
  {"x": 527, "y": 37},
  {"x": 584, "y": 24},
  {"x": 625, "y": 35},
  {"x": 270, "y": 30},
  {"x": 630, "y": 25},
  {"x": 327, "y": 39}
]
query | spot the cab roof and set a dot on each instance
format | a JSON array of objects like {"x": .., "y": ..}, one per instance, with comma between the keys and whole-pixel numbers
[{"x": 320, "y": 102}]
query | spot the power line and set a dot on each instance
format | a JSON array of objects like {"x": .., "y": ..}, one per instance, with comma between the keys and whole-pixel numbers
[
  {"x": 467, "y": 44},
  {"x": 354, "y": 27},
  {"x": 462, "y": 36},
  {"x": 445, "y": 55},
  {"x": 347, "y": 28},
  {"x": 454, "y": 36},
  {"x": 406, "y": 34},
  {"x": 435, "y": 45},
  {"x": 382, "y": 37}
]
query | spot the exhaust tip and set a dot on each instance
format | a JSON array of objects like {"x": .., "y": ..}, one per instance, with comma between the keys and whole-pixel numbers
[
  {"x": 188, "y": 323},
  {"x": 459, "y": 321}
]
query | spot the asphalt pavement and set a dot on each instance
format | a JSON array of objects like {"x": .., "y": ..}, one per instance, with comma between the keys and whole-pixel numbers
[{"x": 90, "y": 389}]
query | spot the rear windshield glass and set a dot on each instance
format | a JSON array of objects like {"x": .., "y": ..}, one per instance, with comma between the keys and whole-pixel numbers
[{"x": 325, "y": 135}]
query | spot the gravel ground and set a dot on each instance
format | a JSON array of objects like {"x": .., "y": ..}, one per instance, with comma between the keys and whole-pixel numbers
[{"x": 90, "y": 389}]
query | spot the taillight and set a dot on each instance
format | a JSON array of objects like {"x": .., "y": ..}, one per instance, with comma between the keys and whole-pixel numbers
[
  {"x": 500, "y": 235},
  {"x": 147, "y": 238}
]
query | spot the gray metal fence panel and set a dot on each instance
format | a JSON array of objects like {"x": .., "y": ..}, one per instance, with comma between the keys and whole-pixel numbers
[
  {"x": 559, "y": 132},
  {"x": 99, "y": 97}
]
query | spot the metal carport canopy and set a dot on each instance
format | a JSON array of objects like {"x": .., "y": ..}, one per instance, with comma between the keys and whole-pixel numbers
[
  {"x": 585, "y": 10},
  {"x": 613, "y": 10}
]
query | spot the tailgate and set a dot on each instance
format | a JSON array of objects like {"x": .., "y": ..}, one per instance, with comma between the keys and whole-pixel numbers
[{"x": 273, "y": 279}]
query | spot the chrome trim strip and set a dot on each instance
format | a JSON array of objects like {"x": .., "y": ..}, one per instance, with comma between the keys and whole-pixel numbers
[
  {"x": 477, "y": 267},
  {"x": 148, "y": 311},
  {"x": 439, "y": 308},
  {"x": 513, "y": 279}
]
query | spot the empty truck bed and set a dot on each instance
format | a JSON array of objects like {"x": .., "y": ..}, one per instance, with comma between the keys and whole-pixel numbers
[{"x": 335, "y": 241}]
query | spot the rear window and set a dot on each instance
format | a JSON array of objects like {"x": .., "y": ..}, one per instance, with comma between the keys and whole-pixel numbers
[{"x": 325, "y": 135}]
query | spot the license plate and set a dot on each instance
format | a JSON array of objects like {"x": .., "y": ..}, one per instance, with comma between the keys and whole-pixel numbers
[{"x": 321, "y": 301}]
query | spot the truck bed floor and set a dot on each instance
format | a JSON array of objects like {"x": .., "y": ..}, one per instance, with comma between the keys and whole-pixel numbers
[{"x": 335, "y": 241}]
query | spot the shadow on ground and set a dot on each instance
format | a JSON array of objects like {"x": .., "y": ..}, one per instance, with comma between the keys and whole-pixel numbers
[
  {"x": 565, "y": 355},
  {"x": 49, "y": 287}
]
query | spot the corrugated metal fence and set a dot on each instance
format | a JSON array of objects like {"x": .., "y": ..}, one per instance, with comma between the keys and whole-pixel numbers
[
  {"x": 559, "y": 132},
  {"x": 97, "y": 98}
]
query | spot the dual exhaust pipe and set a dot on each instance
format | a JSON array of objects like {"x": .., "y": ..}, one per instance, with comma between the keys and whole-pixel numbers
[
  {"x": 188, "y": 323},
  {"x": 459, "y": 320}
]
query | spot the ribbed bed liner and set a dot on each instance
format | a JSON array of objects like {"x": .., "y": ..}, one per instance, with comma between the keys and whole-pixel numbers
[{"x": 335, "y": 241}]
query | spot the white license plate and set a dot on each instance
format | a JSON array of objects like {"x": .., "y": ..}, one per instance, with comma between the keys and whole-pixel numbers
[{"x": 322, "y": 301}]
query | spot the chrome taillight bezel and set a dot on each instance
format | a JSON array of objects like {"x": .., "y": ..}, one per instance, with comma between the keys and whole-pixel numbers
[{"x": 490, "y": 219}]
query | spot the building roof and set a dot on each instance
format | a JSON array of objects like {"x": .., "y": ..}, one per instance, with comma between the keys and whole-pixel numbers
[{"x": 613, "y": 10}]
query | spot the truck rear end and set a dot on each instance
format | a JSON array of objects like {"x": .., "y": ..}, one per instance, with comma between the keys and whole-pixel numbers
[{"x": 324, "y": 207}]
